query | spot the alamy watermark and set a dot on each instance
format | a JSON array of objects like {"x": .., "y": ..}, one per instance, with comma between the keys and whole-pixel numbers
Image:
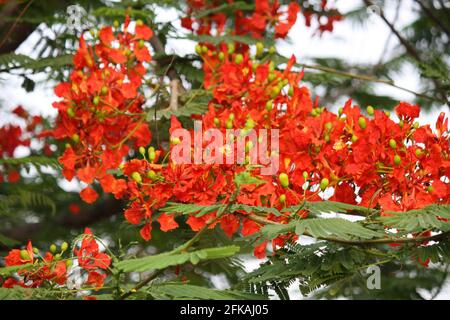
[
  {"x": 236, "y": 146},
  {"x": 374, "y": 279}
]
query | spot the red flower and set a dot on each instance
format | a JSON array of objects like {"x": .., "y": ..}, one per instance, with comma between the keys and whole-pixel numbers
[
  {"x": 167, "y": 222},
  {"x": 89, "y": 195}
]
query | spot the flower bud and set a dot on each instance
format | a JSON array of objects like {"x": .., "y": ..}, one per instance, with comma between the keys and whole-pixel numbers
[
  {"x": 136, "y": 177},
  {"x": 419, "y": 152},
  {"x": 231, "y": 48},
  {"x": 272, "y": 50},
  {"x": 328, "y": 126},
  {"x": 221, "y": 56},
  {"x": 64, "y": 246},
  {"x": 70, "y": 112},
  {"x": 204, "y": 49},
  {"x": 35, "y": 250},
  {"x": 151, "y": 175},
  {"x": 24, "y": 255},
  {"x": 142, "y": 151},
  {"x": 392, "y": 143},
  {"x": 69, "y": 263},
  {"x": 248, "y": 146},
  {"x": 284, "y": 180},
  {"x": 96, "y": 100},
  {"x": 397, "y": 160},
  {"x": 370, "y": 111},
  {"x": 324, "y": 184},
  {"x": 151, "y": 154},
  {"x": 362, "y": 122},
  {"x": 175, "y": 140},
  {"x": 141, "y": 44},
  {"x": 269, "y": 105},
  {"x": 53, "y": 248},
  {"x": 76, "y": 138},
  {"x": 239, "y": 58},
  {"x": 282, "y": 198},
  {"x": 259, "y": 49},
  {"x": 104, "y": 90},
  {"x": 430, "y": 189},
  {"x": 198, "y": 49},
  {"x": 354, "y": 138},
  {"x": 305, "y": 175}
]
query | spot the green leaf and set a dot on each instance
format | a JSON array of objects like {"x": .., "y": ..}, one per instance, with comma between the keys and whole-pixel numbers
[
  {"x": 187, "y": 291},
  {"x": 164, "y": 260},
  {"x": 245, "y": 177}
]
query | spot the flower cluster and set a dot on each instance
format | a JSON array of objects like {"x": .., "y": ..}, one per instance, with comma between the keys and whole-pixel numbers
[
  {"x": 53, "y": 269},
  {"x": 325, "y": 17},
  {"x": 101, "y": 108},
  {"x": 14, "y": 136}
]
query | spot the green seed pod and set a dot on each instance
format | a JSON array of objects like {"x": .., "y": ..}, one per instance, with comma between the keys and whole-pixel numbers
[
  {"x": 370, "y": 111},
  {"x": 284, "y": 180},
  {"x": 64, "y": 246},
  {"x": 53, "y": 248},
  {"x": 397, "y": 160},
  {"x": 393, "y": 144},
  {"x": 259, "y": 49},
  {"x": 324, "y": 184},
  {"x": 24, "y": 255},
  {"x": 136, "y": 177},
  {"x": 282, "y": 198},
  {"x": 362, "y": 122},
  {"x": 239, "y": 58}
]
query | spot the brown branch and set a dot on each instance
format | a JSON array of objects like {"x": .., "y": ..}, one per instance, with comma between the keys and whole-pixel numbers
[{"x": 158, "y": 46}]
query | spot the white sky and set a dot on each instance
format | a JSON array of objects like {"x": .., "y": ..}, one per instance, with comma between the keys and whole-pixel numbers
[{"x": 353, "y": 42}]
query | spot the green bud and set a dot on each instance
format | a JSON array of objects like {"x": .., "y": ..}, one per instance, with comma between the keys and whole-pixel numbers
[
  {"x": 271, "y": 76},
  {"x": 136, "y": 177},
  {"x": 284, "y": 180},
  {"x": 142, "y": 151},
  {"x": 53, "y": 248},
  {"x": 229, "y": 124},
  {"x": 354, "y": 138},
  {"x": 419, "y": 152},
  {"x": 305, "y": 175},
  {"x": 104, "y": 90},
  {"x": 397, "y": 160},
  {"x": 249, "y": 123},
  {"x": 239, "y": 58},
  {"x": 272, "y": 50},
  {"x": 430, "y": 189},
  {"x": 275, "y": 92},
  {"x": 401, "y": 124},
  {"x": 370, "y": 111},
  {"x": 387, "y": 113},
  {"x": 151, "y": 175},
  {"x": 231, "y": 48},
  {"x": 327, "y": 138},
  {"x": 204, "y": 49},
  {"x": 116, "y": 24},
  {"x": 175, "y": 140},
  {"x": 271, "y": 66},
  {"x": 221, "y": 56},
  {"x": 291, "y": 91},
  {"x": 35, "y": 250},
  {"x": 141, "y": 44},
  {"x": 328, "y": 126},
  {"x": 248, "y": 146},
  {"x": 76, "y": 138},
  {"x": 392, "y": 143},
  {"x": 259, "y": 49},
  {"x": 96, "y": 100},
  {"x": 269, "y": 105},
  {"x": 64, "y": 246},
  {"x": 216, "y": 121},
  {"x": 362, "y": 122},
  {"x": 282, "y": 198},
  {"x": 139, "y": 23},
  {"x": 198, "y": 49},
  {"x": 231, "y": 116},
  {"x": 24, "y": 255},
  {"x": 416, "y": 125},
  {"x": 69, "y": 263},
  {"x": 324, "y": 184},
  {"x": 340, "y": 111},
  {"x": 70, "y": 112}
]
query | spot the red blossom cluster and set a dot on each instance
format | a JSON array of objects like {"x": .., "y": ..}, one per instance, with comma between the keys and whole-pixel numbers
[
  {"x": 53, "y": 268},
  {"x": 267, "y": 15},
  {"x": 101, "y": 108},
  {"x": 354, "y": 157},
  {"x": 14, "y": 136},
  {"x": 325, "y": 17}
]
